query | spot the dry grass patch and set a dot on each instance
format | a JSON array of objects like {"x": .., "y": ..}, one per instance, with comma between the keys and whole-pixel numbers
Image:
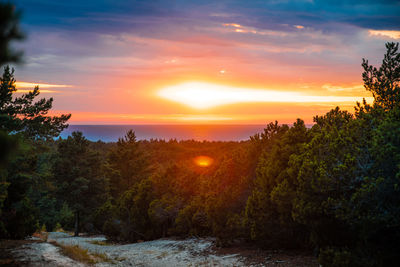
[
  {"x": 77, "y": 253},
  {"x": 100, "y": 243}
]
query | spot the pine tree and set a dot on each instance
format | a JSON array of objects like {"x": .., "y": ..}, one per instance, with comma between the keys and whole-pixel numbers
[{"x": 23, "y": 115}]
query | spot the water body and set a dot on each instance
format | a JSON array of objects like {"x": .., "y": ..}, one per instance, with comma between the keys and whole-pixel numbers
[{"x": 111, "y": 133}]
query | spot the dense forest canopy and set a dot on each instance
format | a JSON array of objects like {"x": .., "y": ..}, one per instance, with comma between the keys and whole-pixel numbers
[{"x": 332, "y": 188}]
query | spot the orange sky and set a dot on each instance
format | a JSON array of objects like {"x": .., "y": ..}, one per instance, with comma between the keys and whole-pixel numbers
[{"x": 206, "y": 64}]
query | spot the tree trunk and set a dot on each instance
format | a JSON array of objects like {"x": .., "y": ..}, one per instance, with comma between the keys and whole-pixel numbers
[{"x": 76, "y": 223}]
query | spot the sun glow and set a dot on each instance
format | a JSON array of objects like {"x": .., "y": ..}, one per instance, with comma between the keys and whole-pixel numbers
[
  {"x": 203, "y": 161},
  {"x": 202, "y": 95},
  {"x": 41, "y": 85}
]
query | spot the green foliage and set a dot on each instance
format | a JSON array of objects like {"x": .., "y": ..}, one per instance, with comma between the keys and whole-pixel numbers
[
  {"x": 8, "y": 144},
  {"x": 132, "y": 208},
  {"x": 112, "y": 228},
  {"x": 162, "y": 213},
  {"x": 106, "y": 212},
  {"x": 226, "y": 194},
  {"x": 18, "y": 212},
  {"x": 126, "y": 165},
  {"x": 58, "y": 228},
  {"x": 337, "y": 185},
  {"x": 269, "y": 208},
  {"x": 65, "y": 216},
  {"x": 77, "y": 172},
  {"x": 326, "y": 178},
  {"x": 24, "y": 120}
]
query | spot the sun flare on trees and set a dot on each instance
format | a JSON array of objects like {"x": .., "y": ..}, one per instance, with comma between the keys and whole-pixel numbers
[
  {"x": 201, "y": 95},
  {"x": 203, "y": 161}
]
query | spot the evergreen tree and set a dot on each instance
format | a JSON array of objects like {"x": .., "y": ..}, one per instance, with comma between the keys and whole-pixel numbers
[
  {"x": 23, "y": 119},
  {"x": 78, "y": 177},
  {"x": 23, "y": 115},
  {"x": 126, "y": 165},
  {"x": 269, "y": 208},
  {"x": 384, "y": 82}
]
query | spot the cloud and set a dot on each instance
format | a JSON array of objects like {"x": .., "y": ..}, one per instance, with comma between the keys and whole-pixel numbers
[
  {"x": 41, "y": 91},
  {"x": 22, "y": 87},
  {"x": 41, "y": 85},
  {"x": 337, "y": 88},
  {"x": 390, "y": 34}
]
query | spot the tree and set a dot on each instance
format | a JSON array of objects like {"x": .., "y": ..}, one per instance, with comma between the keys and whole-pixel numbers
[
  {"x": 226, "y": 194},
  {"x": 25, "y": 121},
  {"x": 384, "y": 83},
  {"x": 327, "y": 172},
  {"x": 9, "y": 31},
  {"x": 348, "y": 178},
  {"x": 269, "y": 208},
  {"x": 18, "y": 214},
  {"x": 133, "y": 208},
  {"x": 23, "y": 115},
  {"x": 21, "y": 122},
  {"x": 126, "y": 165},
  {"x": 78, "y": 177}
]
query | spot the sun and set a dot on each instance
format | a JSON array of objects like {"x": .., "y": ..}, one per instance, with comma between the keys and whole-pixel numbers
[
  {"x": 201, "y": 95},
  {"x": 203, "y": 161}
]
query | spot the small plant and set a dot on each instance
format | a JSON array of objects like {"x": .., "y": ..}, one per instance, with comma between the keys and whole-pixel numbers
[
  {"x": 58, "y": 228},
  {"x": 43, "y": 229},
  {"x": 41, "y": 232}
]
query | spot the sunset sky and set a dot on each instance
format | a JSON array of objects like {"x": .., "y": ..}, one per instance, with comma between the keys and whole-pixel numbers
[{"x": 230, "y": 62}]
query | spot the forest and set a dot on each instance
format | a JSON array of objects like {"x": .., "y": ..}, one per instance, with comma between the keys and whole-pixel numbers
[{"x": 333, "y": 189}]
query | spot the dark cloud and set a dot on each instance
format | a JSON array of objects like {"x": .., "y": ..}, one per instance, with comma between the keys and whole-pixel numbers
[{"x": 120, "y": 15}]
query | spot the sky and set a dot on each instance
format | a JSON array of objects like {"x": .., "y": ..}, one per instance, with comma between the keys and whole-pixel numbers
[{"x": 201, "y": 62}]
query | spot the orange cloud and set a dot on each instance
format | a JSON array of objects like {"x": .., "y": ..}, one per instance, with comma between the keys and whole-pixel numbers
[
  {"x": 41, "y": 85},
  {"x": 390, "y": 34},
  {"x": 30, "y": 85}
]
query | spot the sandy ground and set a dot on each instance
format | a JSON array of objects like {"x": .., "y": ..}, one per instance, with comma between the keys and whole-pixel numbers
[
  {"x": 42, "y": 254},
  {"x": 162, "y": 252}
]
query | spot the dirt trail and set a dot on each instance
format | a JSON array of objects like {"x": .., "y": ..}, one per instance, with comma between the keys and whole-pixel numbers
[{"x": 162, "y": 252}]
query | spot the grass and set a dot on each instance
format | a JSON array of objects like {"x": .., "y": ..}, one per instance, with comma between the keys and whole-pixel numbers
[
  {"x": 102, "y": 256},
  {"x": 77, "y": 253},
  {"x": 99, "y": 243}
]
